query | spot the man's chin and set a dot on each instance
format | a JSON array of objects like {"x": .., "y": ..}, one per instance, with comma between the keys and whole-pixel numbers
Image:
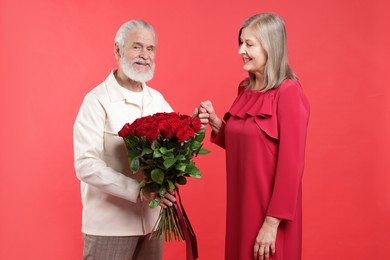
[
  {"x": 141, "y": 77},
  {"x": 141, "y": 68}
]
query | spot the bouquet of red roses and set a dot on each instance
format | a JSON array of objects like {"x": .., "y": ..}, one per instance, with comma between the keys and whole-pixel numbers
[{"x": 163, "y": 146}]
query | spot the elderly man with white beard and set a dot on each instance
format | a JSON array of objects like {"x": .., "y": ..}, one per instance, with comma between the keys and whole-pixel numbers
[{"x": 115, "y": 221}]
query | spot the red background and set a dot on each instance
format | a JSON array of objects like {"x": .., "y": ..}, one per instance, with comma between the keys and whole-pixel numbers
[{"x": 53, "y": 52}]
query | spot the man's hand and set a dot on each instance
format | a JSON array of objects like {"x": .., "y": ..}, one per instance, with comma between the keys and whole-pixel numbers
[
  {"x": 202, "y": 114},
  {"x": 167, "y": 199}
]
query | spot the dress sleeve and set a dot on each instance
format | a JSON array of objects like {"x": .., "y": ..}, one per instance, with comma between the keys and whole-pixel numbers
[
  {"x": 219, "y": 138},
  {"x": 293, "y": 114}
]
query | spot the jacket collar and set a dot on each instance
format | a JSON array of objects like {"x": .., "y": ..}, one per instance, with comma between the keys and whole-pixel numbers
[{"x": 116, "y": 94}]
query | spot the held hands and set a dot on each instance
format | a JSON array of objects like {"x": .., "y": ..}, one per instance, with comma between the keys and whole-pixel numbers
[
  {"x": 202, "y": 114},
  {"x": 207, "y": 115},
  {"x": 265, "y": 240}
]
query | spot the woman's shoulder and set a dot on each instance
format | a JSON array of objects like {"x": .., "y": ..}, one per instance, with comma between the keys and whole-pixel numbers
[
  {"x": 289, "y": 87},
  {"x": 291, "y": 90},
  {"x": 289, "y": 84}
]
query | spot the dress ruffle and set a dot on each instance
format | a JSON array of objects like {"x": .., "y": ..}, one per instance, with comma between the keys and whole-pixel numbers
[{"x": 259, "y": 105}]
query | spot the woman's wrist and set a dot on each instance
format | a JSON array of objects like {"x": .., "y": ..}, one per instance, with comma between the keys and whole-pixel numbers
[
  {"x": 216, "y": 124},
  {"x": 272, "y": 221}
]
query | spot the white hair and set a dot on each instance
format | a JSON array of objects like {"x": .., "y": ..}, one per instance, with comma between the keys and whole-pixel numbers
[
  {"x": 120, "y": 41},
  {"x": 126, "y": 28}
]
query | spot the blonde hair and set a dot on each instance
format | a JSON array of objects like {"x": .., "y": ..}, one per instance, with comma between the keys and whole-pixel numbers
[{"x": 271, "y": 32}]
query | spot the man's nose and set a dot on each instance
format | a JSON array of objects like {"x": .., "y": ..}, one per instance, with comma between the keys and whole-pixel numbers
[{"x": 143, "y": 54}]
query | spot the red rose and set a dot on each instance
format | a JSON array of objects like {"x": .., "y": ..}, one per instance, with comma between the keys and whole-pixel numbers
[
  {"x": 196, "y": 124},
  {"x": 124, "y": 132},
  {"x": 166, "y": 129},
  {"x": 176, "y": 126},
  {"x": 141, "y": 130},
  {"x": 152, "y": 135},
  {"x": 184, "y": 133},
  {"x": 163, "y": 116},
  {"x": 186, "y": 120},
  {"x": 152, "y": 131}
]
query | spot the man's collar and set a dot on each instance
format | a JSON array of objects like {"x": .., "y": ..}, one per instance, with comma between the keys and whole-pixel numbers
[{"x": 115, "y": 90}]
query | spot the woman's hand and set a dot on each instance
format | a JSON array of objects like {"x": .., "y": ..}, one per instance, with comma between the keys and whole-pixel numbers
[
  {"x": 265, "y": 240},
  {"x": 213, "y": 119}
]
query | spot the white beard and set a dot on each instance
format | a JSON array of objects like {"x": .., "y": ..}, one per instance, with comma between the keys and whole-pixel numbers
[{"x": 127, "y": 67}]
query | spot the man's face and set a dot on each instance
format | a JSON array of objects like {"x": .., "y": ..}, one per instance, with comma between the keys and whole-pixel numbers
[{"x": 137, "y": 57}]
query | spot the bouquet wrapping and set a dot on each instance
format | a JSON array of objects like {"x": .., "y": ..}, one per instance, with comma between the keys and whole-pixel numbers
[{"x": 163, "y": 145}]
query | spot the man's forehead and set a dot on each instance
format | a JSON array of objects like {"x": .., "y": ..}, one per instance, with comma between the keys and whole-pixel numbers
[{"x": 141, "y": 36}]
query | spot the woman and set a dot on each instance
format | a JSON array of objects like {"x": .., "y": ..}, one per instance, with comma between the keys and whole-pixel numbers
[{"x": 264, "y": 134}]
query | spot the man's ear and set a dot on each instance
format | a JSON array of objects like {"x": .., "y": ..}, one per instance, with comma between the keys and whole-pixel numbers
[{"x": 117, "y": 51}]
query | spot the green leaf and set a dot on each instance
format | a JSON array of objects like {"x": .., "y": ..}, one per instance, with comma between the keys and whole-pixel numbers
[
  {"x": 171, "y": 185},
  {"x": 154, "y": 145},
  {"x": 156, "y": 154},
  {"x": 200, "y": 135},
  {"x": 163, "y": 150},
  {"x": 203, "y": 151},
  {"x": 154, "y": 203},
  {"x": 162, "y": 190},
  {"x": 195, "y": 173},
  {"x": 195, "y": 145},
  {"x": 142, "y": 183},
  {"x": 169, "y": 156},
  {"x": 134, "y": 164},
  {"x": 133, "y": 153},
  {"x": 180, "y": 157},
  {"x": 181, "y": 180},
  {"x": 131, "y": 141},
  {"x": 181, "y": 167},
  {"x": 157, "y": 175},
  {"x": 169, "y": 162},
  {"x": 146, "y": 151}
]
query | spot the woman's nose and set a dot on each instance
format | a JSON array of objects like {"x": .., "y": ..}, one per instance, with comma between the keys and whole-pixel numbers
[{"x": 241, "y": 50}]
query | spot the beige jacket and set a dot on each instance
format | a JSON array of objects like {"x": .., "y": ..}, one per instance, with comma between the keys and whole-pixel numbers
[{"x": 109, "y": 191}]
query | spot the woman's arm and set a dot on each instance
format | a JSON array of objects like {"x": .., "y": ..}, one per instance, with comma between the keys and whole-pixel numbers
[{"x": 206, "y": 107}]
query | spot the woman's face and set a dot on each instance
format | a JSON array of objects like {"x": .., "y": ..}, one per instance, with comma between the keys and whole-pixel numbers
[{"x": 252, "y": 52}]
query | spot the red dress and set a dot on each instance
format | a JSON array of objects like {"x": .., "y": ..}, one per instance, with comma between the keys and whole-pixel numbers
[{"x": 264, "y": 135}]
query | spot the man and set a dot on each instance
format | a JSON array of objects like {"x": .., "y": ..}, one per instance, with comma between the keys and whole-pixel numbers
[{"x": 116, "y": 223}]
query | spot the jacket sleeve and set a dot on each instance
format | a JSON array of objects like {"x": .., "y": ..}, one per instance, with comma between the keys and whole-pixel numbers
[
  {"x": 293, "y": 114},
  {"x": 88, "y": 137},
  {"x": 166, "y": 107}
]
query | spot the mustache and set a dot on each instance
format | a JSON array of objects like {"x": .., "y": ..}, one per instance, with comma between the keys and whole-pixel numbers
[{"x": 142, "y": 61}]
